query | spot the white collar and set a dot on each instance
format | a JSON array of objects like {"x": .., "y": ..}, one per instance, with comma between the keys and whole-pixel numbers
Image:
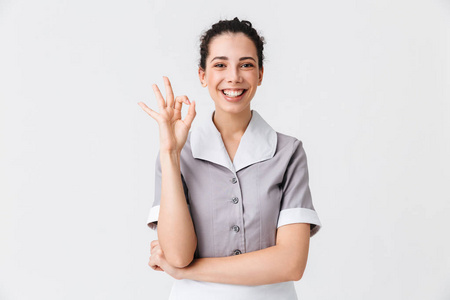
[{"x": 258, "y": 143}]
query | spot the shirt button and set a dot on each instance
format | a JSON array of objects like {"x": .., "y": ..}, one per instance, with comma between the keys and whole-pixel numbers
[
  {"x": 235, "y": 200},
  {"x": 235, "y": 228},
  {"x": 233, "y": 180},
  {"x": 237, "y": 252}
]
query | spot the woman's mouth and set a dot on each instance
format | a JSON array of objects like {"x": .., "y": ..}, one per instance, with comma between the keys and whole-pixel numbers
[{"x": 233, "y": 95}]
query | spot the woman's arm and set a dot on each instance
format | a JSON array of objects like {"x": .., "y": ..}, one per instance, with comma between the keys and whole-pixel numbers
[
  {"x": 286, "y": 261},
  {"x": 175, "y": 228}
]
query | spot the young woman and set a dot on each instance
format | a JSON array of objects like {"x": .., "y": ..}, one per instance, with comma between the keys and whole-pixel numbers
[{"x": 236, "y": 224}]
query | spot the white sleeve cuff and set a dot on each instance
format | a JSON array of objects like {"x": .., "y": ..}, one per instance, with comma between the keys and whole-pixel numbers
[
  {"x": 153, "y": 217},
  {"x": 300, "y": 215}
]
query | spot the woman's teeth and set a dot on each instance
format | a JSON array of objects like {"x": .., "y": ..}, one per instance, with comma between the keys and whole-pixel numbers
[{"x": 233, "y": 93}]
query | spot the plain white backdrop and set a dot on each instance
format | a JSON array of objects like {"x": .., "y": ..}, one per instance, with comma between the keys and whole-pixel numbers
[{"x": 364, "y": 84}]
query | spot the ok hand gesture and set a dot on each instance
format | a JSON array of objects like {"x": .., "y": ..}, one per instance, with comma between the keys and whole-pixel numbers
[{"x": 173, "y": 131}]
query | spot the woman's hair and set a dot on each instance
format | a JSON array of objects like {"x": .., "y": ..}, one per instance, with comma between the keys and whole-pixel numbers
[{"x": 231, "y": 26}]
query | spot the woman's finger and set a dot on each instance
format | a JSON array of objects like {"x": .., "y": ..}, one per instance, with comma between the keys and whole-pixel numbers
[
  {"x": 154, "y": 243},
  {"x": 154, "y": 247},
  {"x": 169, "y": 92},
  {"x": 179, "y": 100},
  {"x": 190, "y": 115},
  {"x": 156, "y": 268},
  {"x": 155, "y": 259},
  {"x": 177, "y": 109},
  {"x": 152, "y": 263},
  {"x": 148, "y": 110},
  {"x": 159, "y": 97}
]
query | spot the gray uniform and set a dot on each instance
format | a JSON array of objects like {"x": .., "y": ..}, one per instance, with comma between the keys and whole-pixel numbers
[{"x": 236, "y": 207}]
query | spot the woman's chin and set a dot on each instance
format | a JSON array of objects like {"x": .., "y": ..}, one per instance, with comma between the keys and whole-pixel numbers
[{"x": 233, "y": 108}]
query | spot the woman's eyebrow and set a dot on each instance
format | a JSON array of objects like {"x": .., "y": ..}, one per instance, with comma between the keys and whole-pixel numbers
[
  {"x": 220, "y": 57},
  {"x": 247, "y": 57},
  {"x": 226, "y": 58}
]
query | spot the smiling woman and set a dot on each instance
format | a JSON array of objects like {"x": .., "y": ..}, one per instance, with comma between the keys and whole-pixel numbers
[{"x": 236, "y": 224}]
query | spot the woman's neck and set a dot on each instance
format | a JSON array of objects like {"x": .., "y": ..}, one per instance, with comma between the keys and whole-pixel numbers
[{"x": 232, "y": 125}]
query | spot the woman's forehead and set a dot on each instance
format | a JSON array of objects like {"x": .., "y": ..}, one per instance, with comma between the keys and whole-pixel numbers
[{"x": 232, "y": 45}]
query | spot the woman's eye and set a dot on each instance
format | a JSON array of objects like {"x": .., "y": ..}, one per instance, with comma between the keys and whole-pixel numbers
[
  {"x": 219, "y": 65},
  {"x": 248, "y": 65}
]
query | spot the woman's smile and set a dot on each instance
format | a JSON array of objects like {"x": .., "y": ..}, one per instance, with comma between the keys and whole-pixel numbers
[{"x": 233, "y": 95}]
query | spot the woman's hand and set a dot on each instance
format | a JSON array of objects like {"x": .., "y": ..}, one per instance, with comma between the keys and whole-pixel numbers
[
  {"x": 158, "y": 261},
  {"x": 173, "y": 131}
]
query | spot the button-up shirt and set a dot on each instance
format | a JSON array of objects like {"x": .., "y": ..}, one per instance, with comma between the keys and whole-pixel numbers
[{"x": 237, "y": 206}]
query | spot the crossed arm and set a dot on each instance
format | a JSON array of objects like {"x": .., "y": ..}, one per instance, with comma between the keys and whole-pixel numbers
[{"x": 286, "y": 261}]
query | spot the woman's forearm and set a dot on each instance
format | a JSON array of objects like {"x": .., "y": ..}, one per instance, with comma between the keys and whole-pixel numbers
[
  {"x": 266, "y": 266},
  {"x": 176, "y": 232}
]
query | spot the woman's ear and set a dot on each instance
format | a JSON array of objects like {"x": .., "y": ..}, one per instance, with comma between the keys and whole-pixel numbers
[
  {"x": 261, "y": 72},
  {"x": 201, "y": 76}
]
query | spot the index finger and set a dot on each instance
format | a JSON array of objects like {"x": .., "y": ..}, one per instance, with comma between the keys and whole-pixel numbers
[{"x": 169, "y": 92}]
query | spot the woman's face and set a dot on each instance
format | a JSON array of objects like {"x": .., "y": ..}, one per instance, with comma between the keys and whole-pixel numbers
[{"x": 232, "y": 73}]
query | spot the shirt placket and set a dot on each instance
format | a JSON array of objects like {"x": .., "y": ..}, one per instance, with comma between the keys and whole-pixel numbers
[{"x": 237, "y": 229}]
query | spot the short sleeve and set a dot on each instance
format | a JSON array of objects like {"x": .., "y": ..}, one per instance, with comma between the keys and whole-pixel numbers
[
  {"x": 296, "y": 202},
  {"x": 152, "y": 220}
]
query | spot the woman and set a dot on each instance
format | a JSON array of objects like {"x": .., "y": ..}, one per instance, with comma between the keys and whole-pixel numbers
[{"x": 236, "y": 224}]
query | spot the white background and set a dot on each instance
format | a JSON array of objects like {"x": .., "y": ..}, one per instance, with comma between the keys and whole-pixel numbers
[{"x": 364, "y": 84}]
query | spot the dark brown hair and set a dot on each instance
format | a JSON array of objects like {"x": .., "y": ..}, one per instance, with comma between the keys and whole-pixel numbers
[{"x": 231, "y": 26}]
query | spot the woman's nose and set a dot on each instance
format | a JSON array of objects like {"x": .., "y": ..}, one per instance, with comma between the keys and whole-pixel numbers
[{"x": 234, "y": 75}]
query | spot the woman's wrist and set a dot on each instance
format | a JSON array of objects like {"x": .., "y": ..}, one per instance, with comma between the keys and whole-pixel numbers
[{"x": 169, "y": 156}]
